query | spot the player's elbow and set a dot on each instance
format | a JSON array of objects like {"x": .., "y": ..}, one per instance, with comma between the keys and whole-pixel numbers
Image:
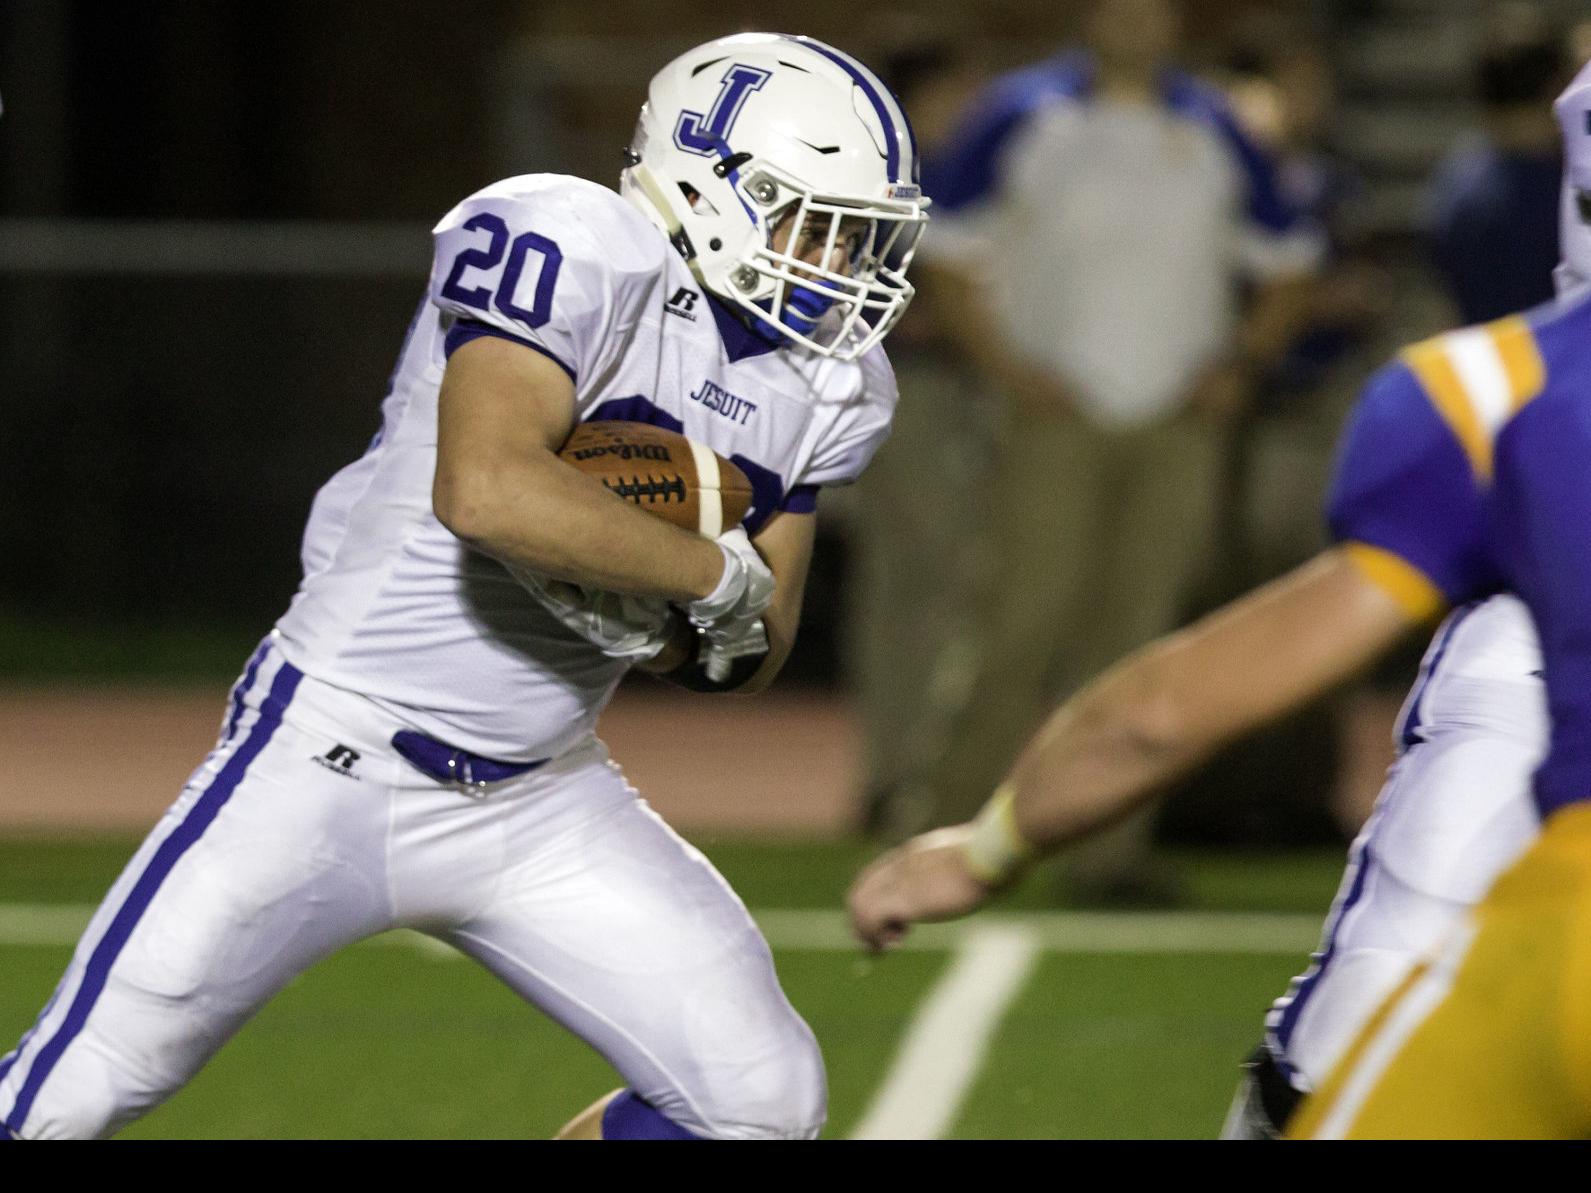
[
  {"x": 1145, "y": 714},
  {"x": 465, "y": 501}
]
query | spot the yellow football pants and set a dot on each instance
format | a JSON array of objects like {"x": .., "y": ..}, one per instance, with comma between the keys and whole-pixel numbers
[{"x": 1491, "y": 1040}]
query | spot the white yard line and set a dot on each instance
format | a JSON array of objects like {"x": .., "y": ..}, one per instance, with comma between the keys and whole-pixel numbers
[
  {"x": 943, "y": 1048},
  {"x": 1264, "y": 933},
  {"x": 60, "y": 924}
]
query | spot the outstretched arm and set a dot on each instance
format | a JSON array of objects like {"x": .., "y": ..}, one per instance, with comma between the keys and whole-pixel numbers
[{"x": 1142, "y": 724}]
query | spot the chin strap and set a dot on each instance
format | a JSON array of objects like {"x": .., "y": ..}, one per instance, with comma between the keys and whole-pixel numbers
[
  {"x": 803, "y": 310},
  {"x": 677, "y": 236}
]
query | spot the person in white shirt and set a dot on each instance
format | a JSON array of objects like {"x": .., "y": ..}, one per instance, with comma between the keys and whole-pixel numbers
[{"x": 1108, "y": 209}]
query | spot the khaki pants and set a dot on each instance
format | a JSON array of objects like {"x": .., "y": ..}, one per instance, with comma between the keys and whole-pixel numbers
[
  {"x": 919, "y": 550},
  {"x": 1097, "y": 533}
]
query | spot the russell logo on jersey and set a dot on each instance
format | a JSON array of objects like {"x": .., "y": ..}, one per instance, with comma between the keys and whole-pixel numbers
[{"x": 683, "y": 303}]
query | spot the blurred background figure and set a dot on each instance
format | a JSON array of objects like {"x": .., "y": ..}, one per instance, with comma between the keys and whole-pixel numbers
[
  {"x": 1096, "y": 216},
  {"x": 1494, "y": 218},
  {"x": 909, "y": 652},
  {"x": 1283, "y": 89}
]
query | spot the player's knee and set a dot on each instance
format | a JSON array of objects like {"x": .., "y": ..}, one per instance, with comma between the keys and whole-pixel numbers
[
  {"x": 802, "y": 1101},
  {"x": 784, "y": 1097}
]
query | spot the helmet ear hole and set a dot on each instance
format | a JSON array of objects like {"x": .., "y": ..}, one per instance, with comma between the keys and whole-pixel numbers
[{"x": 699, "y": 203}]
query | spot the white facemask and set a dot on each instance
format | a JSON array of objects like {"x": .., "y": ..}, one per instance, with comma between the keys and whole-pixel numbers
[{"x": 1573, "y": 110}]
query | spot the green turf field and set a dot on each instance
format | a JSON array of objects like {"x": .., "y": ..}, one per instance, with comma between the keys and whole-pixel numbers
[{"x": 1122, "y": 1027}]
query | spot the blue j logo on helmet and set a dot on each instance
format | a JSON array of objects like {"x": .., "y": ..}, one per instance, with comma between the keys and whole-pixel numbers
[{"x": 694, "y": 136}]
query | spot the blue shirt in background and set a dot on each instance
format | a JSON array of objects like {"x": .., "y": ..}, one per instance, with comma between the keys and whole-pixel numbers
[{"x": 1495, "y": 229}]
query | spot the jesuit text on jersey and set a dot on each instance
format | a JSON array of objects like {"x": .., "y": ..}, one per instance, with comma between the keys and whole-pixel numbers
[{"x": 716, "y": 397}]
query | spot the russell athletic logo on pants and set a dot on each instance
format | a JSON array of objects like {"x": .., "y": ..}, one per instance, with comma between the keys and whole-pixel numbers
[{"x": 339, "y": 760}]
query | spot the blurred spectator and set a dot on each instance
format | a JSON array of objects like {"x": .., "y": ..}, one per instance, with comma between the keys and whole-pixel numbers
[
  {"x": 1282, "y": 89},
  {"x": 1494, "y": 202},
  {"x": 909, "y": 650},
  {"x": 1096, "y": 216}
]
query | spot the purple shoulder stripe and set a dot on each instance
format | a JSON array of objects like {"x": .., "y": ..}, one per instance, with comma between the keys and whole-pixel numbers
[{"x": 465, "y": 330}]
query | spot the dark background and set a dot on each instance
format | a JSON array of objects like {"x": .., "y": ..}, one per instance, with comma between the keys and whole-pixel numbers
[{"x": 168, "y": 414}]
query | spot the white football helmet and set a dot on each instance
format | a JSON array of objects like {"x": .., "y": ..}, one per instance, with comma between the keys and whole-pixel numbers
[
  {"x": 1574, "y": 239},
  {"x": 763, "y": 133}
]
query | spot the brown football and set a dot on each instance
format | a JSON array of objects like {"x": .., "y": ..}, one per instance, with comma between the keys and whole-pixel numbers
[{"x": 663, "y": 472}]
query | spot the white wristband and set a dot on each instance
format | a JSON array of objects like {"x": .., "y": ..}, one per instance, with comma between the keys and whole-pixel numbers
[
  {"x": 996, "y": 849},
  {"x": 719, "y": 601}
]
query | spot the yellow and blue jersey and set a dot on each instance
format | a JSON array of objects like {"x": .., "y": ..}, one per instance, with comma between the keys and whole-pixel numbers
[{"x": 1466, "y": 470}]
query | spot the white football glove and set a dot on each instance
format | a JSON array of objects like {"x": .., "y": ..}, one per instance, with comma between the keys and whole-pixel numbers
[
  {"x": 726, "y": 645},
  {"x": 744, "y": 590},
  {"x": 730, "y": 617},
  {"x": 620, "y": 626}
]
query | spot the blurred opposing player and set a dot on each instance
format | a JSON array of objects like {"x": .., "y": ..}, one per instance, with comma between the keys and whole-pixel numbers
[
  {"x": 1491, "y": 1036},
  {"x": 413, "y": 743},
  {"x": 1438, "y": 500}
]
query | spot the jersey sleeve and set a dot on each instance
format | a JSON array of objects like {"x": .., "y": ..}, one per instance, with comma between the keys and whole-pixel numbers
[
  {"x": 849, "y": 433},
  {"x": 1406, "y": 501},
  {"x": 966, "y": 173},
  {"x": 532, "y": 264},
  {"x": 965, "y": 170},
  {"x": 1278, "y": 236}
]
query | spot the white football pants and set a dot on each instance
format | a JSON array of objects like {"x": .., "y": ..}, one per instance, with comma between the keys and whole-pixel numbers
[
  {"x": 304, "y": 832},
  {"x": 1455, "y": 812}
]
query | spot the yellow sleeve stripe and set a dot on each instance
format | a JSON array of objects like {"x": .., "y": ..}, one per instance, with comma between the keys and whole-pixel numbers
[
  {"x": 1478, "y": 378},
  {"x": 1516, "y": 344},
  {"x": 1400, "y": 580},
  {"x": 1439, "y": 377}
]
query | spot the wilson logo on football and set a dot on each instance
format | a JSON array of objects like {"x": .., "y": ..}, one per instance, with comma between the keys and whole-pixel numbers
[
  {"x": 662, "y": 472},
  {"x": 624, "y": 451}
]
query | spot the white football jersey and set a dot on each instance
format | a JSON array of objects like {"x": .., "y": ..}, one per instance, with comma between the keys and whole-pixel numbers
[
  {"x": 394, "y": 607},
  {"x": 1480, "y": 681}
]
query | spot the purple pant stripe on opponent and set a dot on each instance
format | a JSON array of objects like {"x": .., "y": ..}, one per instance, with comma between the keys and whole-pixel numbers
[
  {"x": 199, "y": 818},
  {"x": 1306, "y": 985}
]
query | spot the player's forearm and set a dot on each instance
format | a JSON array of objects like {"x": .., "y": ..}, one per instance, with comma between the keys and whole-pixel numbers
[
  {"x": 781, "y": 626},
  {"x": 786, "y": 543},
  {"x": 542, "y": 515},
  {"x": 1104, "y": 753},
  {"x": 1162, "y": 711}
]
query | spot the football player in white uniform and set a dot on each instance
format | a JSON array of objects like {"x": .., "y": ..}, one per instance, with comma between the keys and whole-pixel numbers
[
  {"x": 1457, "y": 809},
  {"x": 413, "y": 743}
]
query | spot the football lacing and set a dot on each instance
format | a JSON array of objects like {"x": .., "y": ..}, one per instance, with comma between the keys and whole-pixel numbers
[{"x": 651, "y": 490}]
